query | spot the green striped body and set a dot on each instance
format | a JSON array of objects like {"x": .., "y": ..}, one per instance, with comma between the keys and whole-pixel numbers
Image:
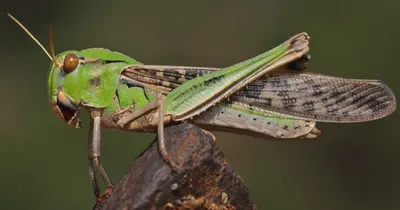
[{"x": 259, "y": 96}]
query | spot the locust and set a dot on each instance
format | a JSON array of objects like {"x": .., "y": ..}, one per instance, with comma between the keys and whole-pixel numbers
[{"x": 268, "y": 96}]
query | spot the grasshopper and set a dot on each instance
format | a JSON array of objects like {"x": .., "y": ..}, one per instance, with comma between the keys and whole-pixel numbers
[{"x": 268, "y": 96}]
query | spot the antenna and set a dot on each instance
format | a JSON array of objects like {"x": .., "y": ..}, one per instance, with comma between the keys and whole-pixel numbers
[
  {"x": 32, "y": 37},
  {"x": 52, "y": 43}
]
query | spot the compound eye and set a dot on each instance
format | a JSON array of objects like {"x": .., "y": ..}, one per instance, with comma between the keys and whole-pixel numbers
[{"x": 71, "y": 61}]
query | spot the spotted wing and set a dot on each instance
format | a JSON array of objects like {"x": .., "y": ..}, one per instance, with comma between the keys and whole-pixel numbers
[
  {"x": 318, "y": 97},
  {"x": 289, "y": 94}
]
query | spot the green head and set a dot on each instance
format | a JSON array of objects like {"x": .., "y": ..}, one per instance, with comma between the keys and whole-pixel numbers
[
  {"x": 84, "y": 78},
  {"x": 81, "y": 78}
]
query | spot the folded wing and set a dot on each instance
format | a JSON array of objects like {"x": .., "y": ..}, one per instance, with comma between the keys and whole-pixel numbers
[
  {"x": 287, "y": 94},
  {"x": 318, "y": 97}
]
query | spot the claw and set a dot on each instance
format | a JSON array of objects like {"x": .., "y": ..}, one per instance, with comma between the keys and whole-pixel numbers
[
  {"x": 316, "y": 131},
  {"x": 210, "y": 134},
  {"x": 107, "y": 194}
]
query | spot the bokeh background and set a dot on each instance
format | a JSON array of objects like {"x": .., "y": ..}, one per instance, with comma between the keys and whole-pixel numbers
[{"x": 43, "y": 162}]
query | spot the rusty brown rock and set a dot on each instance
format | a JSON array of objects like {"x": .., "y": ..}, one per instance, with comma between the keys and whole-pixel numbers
[{"x": 203, "y": 179}]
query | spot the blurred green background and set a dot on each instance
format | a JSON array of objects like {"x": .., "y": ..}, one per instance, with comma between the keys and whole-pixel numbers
[{"x": 43, "y": 162}]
